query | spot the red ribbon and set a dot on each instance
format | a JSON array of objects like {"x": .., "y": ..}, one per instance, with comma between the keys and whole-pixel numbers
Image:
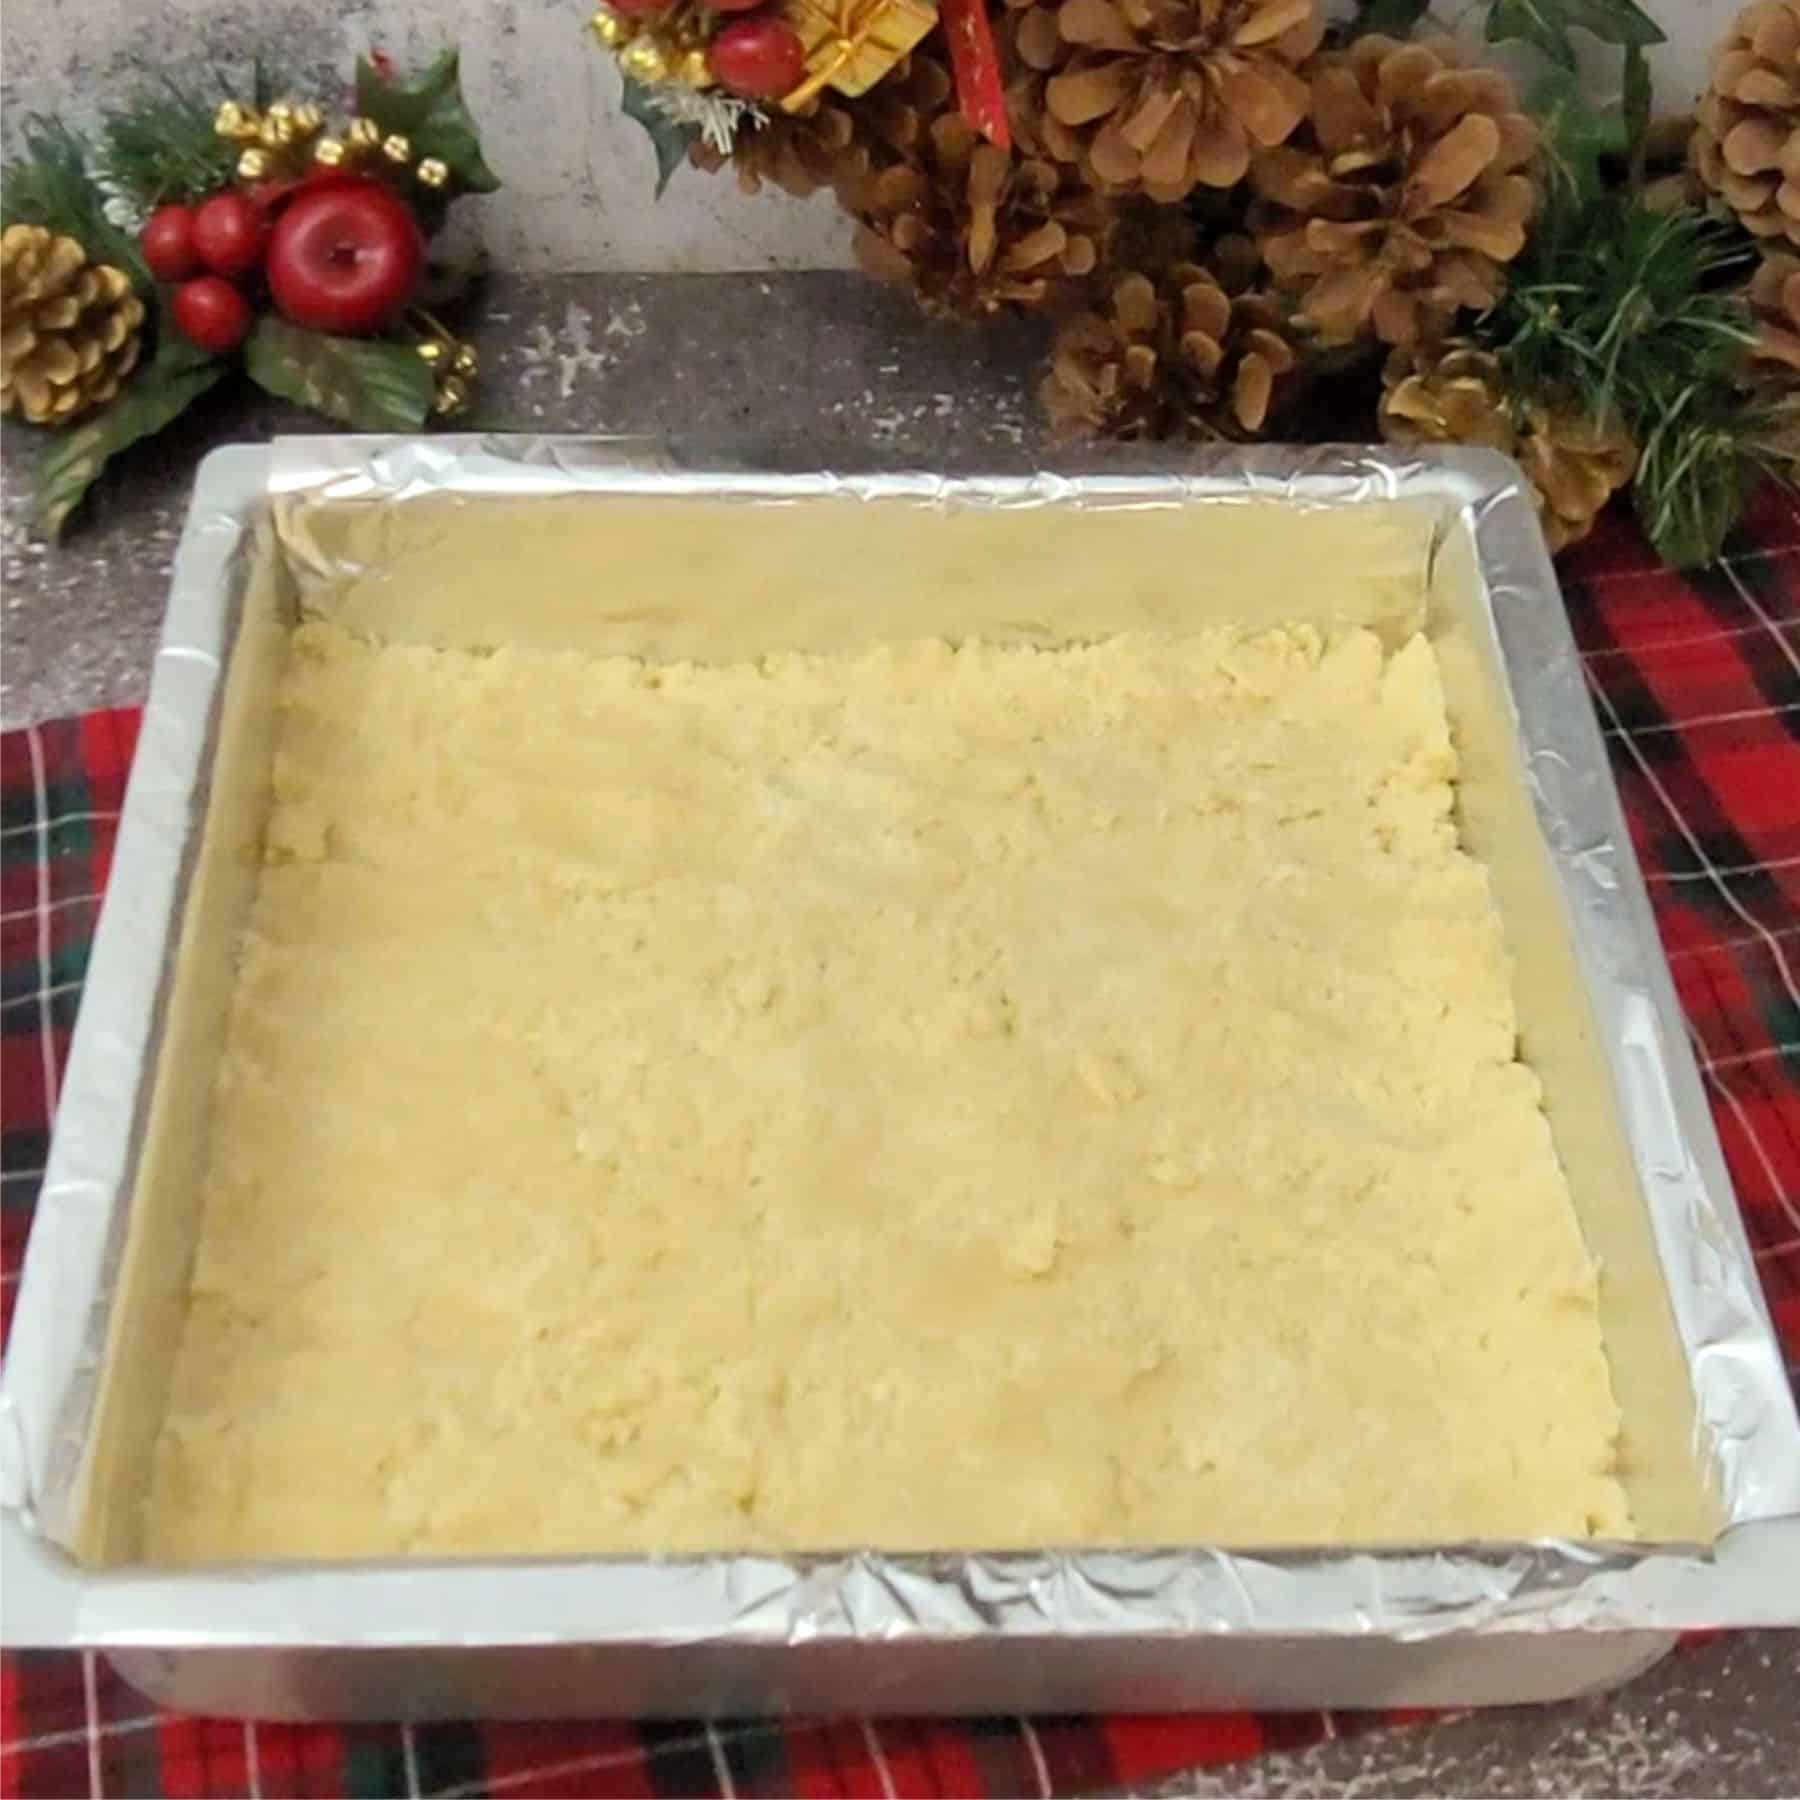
[{"x": 976, "y": 64}]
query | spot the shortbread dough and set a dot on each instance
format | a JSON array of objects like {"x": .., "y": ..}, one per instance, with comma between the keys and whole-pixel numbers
[{"x": 924, "y": 1097}]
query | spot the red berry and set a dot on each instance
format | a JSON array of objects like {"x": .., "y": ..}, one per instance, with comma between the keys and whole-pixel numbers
[
  {"x": 168, "y": 243},
  {"x": 758, "y": 59},
  {"x": 345, "y": 257},
  {"x": 212, "y": 313},
  {"x": 643, "y": 9},
  {"x": 228, "y": 233}
]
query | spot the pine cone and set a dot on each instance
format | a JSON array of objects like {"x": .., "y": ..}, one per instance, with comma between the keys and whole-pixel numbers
[
  {"x": 1459, "y": 395},
  {"x": 1747, "y": 142},
  {"x": 800, "y": 153},
  {"x": 1159, "y": 96},
  {"x": 1168, "y": 357},
  {"x": 971, "y": 228},
  {"x": 69, "y": 329},
  {"x": 1400, "y": 199},
  {"x": 1775, "y": 304}
]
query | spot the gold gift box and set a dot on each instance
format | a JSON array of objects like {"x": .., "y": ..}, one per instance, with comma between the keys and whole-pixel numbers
[{"x": 852, "y": 44}]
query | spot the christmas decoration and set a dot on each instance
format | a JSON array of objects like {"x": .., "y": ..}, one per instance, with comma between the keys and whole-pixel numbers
[
  {"x": 1747, "y": 145},
  {"x": 1171, "y": 356},
  {"x": 345, "y": 256},
  {"x": 851, "y": 44},
  {"x": 296, "y": 251},
  {"x": 1403, "y": 196},
  {"x": 211, "y": 314},
  {"x": 1460, "y": 395},
  {"x": 168, "y": 243},
  {"x": 757, "y": 59},
  {"x": 71, "y": 327},
  {"x": 227, "y": 234},
  {"x": 1163, "y": 96}
]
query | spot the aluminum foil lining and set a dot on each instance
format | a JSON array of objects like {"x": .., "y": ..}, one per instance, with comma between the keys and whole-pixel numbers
[{"x": 1748, "y": 1435}]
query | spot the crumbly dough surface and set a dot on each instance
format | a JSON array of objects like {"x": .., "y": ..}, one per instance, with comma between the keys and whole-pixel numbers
[{"x": 924, "y": 1097}]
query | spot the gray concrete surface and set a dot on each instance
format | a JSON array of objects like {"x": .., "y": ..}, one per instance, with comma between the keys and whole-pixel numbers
[{"x": 829, "y": 363}]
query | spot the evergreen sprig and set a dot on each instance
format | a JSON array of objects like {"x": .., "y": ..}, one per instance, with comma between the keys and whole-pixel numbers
[
  {"x": 52, "y": 183},
  {"x": 1636, "y": 313},
  {"x": 162, "y": 147}
]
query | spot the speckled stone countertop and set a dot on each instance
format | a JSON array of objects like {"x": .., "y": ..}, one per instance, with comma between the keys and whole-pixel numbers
[{"x": 831, "y": 360}]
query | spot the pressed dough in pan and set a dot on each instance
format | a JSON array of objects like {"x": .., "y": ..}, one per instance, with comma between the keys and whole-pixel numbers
[{"x": 918, "y": 1097}]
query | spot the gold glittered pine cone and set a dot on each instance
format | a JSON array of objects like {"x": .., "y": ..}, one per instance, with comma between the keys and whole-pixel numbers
[
  {"x": 1158, "y": 97},
  {"x": 70, "y": 330},
  {"x": 1402, "y": 197},
  {"x": 1171, "y": 355},
  {"x": 1746, "y": 144},
  {"x": 1458, "y": 394},
  {"x": 799, "y": 153},
  {"x": 971, "y": 228}
]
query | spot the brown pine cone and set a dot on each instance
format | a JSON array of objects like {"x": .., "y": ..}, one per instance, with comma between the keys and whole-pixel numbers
[
  {"x": 1747, "y": 139},
  {"x": 1170, "y": 356},
  {"x": 1459, "y": 395},
  {"x": 800, "y": 153},
  {"x": 1159, "y": 96},
  {"x": 971, "y": 228},
  {"x": 1399, "y": 201},
  {"x": 1775, "y": 303}
]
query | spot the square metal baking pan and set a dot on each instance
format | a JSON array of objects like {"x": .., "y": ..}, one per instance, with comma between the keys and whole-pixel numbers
[{"x": 1712, "y": 1448}]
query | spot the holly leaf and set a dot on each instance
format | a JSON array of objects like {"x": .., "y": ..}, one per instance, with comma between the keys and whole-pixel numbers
[
  {"x": 668, "y": 137},
  {"x": 362, "y": 382},
  {"x": 1396, "y": 18},
  {"x": 1577, "y": 135},
  {"x": 1546, "y": 24},
  {"x": 431, "y": 115},
  {"x": 159, "y": 393}
]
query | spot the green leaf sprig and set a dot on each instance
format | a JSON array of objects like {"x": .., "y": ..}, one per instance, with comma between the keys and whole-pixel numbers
[
  {"x": 364, "y": 383},
  {"x": 156, "y": 396}
]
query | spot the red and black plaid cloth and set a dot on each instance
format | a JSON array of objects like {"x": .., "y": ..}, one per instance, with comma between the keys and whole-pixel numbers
[{"x": 1696, "y": 679}]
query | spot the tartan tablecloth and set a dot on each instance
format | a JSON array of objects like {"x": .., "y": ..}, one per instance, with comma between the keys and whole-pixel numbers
[{"x": 1696, "y": 680}]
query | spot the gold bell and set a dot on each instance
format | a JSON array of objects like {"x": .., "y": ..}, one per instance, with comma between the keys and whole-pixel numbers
[
  {"x": 275, "y": 132},
  {"x": 611, "y": 30},
  {"x": 431, "y": 351},
  {"x": 696, "y": 71},
  {"x": 466, "y": 362},
  {"x": 432, "y": 172},
  {"x": 309, "y": 120},
  {"x": 364, "y": 134},
  {"x": 254, "y": 165},
  {"x": 643, "y": 60},
  {"x": 452, "y": 396},
  {"x": 329, "y": 152},
  {"x": 234, "y": 121},
  {"x": 397, "y": 149}
]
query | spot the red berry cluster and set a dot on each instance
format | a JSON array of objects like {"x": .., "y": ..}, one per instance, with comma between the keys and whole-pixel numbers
[
  {"x": 759, "y": 57},
  {"x": 337, "y": 252}
]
